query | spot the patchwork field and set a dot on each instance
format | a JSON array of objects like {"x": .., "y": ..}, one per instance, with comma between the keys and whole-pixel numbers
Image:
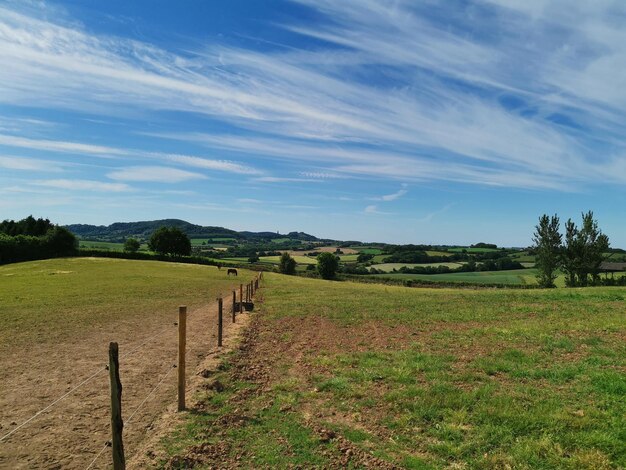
[
  {"x": 388, "y": 267},
  {"x": 57, "y": 318},
  {"x": 342, "y": 375},
  {"x": 515, "y": 276}
]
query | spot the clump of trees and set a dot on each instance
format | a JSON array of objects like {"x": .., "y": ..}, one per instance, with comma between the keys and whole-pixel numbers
[
  {"x": 286, "y": 264},
  {"x": 31, "y": 239},
  {"x": 578, "y": 254},
  {"x": 170, "y": 241},
  {"x": 327, "y": 265},
  {"x": 131, "y": 245}
]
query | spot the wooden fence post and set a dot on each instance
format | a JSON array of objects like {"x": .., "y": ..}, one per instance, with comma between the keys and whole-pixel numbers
[
  {"x": 240, "y": 298},
  {"x": 117, "y": 424},
  {"x": 219, "y": 321},
  {"x": 182, "y": 347},
  {"x": 234, "y": 304}
]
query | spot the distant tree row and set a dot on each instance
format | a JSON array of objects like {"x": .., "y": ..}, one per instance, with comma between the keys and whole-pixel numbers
[
  {"x": 31, "y": 239},
  {"x": 327, "y": 265},
  {"x": 28, "y": 226},
  {"x": 578, "y": 254}
]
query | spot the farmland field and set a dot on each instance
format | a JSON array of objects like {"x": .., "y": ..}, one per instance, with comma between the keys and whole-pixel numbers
[
  {"x": 388, "y": 267},
  {"x": 56, "y": 320},
  {"x": 299, "y": 259},
  {"x": 92, "y": 245},
  {"x": 275, "y": 259},
  {"x": 438, "y": 253},
  {"x": 343, "y": 375},
  {"x": 514, "y": 276},
  {"x": 368, "y": 250}
]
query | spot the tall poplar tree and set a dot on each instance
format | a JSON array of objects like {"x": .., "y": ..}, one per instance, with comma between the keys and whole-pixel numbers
[{"x": 547, "y": 241}]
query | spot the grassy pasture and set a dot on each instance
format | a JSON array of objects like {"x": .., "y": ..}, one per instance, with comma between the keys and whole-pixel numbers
[
  {"x": 69, "y": 296},
  {"x": 57, "y": 318},
  {"x": 299, "y": 259},
  {"x": 92, "y": 245},
  {"x": 368, "y": 250},
  {"x": 388, "y": 267},
  {"x": 337, "y": 374},
  {"x": 514, "y": 276},
  {"x": 274, "y": 260},
  {"x": 200, "y": 241}
]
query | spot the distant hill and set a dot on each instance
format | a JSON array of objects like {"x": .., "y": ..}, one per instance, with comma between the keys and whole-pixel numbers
[{"x": 119, "y": 231}]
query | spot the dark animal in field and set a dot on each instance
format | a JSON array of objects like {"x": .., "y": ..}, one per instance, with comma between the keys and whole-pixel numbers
[{"x": 231, "y": 271}]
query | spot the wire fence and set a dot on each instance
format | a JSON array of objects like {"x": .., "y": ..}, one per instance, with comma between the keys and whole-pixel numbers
[{"x": 237, "y": 307}]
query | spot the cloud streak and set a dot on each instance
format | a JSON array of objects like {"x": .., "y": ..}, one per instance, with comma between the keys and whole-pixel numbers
[
  {"x": 154, "y": 174},
  {"x": 457, "y": 104}
]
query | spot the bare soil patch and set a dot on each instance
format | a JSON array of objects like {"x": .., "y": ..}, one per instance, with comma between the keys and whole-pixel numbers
[{"x": 72, "y": 432}]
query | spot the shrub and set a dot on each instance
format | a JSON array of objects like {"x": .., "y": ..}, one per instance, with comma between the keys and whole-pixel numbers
[
  {"x": 170, "y": 241},
  {"x": 327, "y": 265},
  {"x": 131, "y": 245},
  {"x": 287, "y": 264}
]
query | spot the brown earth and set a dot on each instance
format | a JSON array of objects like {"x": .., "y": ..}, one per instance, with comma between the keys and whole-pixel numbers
[
  {"x": 73, "y": 432},
  {"x": 259, "y": 360}
]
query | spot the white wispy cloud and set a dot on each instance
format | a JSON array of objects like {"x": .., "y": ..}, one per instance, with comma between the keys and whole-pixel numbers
[
  {"x": 220, "y": 165},
  {"x": 286, "y": 179},
  {"x": 391, "y": 197},
  {"x": 59, "y": 146},
  {"x": 442, "y": 116},
  {"x": 82, "y": 185},
  {"x": 157, "y": 174},
  {"x": 29, "y": 164}
]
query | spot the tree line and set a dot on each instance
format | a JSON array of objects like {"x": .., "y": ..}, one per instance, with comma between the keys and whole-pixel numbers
[
  {"x": 31, "y": 239},
  {"x": 578, "y": 252}
]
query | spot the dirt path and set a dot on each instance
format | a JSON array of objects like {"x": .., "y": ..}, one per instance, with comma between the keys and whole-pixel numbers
[{"x": 73, "y": 431}]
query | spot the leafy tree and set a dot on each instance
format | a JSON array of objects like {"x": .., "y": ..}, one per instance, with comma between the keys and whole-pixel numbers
[
  {"x": 131, "y": 245},
  {"x": 287, "y": 264},
  {"x": 170, "y": 241},
  {"x": 547, "y": 240},
  {"x": 327, "y": 265},
  {"x": 572, "y": 253},
  {"x": 254, "y": 258},
  {"x": 364, "y": 257},
  {"x": 28, "y": 226},
  {"x": 584, "y": 251},
  {"x": 60, "y": 242}
]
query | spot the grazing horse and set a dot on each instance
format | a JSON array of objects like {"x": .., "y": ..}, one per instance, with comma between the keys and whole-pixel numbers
[{"x": 231, "y": 271}]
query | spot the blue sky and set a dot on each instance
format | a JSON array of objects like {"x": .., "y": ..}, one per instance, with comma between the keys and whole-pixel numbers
[{"x": 397, "y": 121}]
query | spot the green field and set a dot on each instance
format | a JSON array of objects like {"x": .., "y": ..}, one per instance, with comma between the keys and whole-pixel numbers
[
  {"x": 348, "y": 258},
  {"x": 274, "y": 260},
  {"x": 299, "y": 259},
  {"x": 91, "y": 245},
  {"x": 68, "y": 296},
  {"x": 200, "y": 241},
  {"x": 388, "y": 267},
  {"x": 368, "y": 250},
  {"x": 344, "y": 375},
  {"x": 284, "y": 240},
  {"x": 515, "y": 276}
]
